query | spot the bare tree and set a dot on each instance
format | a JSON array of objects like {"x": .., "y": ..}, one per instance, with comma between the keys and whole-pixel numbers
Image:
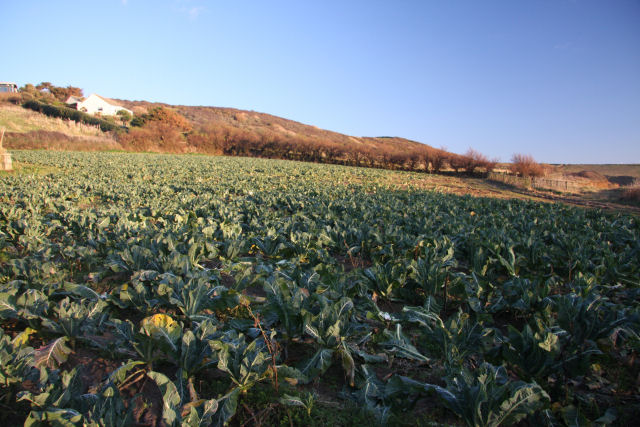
[{"x": 525, "y": 165}]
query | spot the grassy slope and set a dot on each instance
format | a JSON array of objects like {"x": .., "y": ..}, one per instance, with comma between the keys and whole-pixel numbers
[
  {"x": 27, "y": 129},
  {"x": 17, "y": 119}
]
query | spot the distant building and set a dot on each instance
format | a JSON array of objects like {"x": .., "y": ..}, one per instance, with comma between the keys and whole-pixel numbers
[
  {"x": 95, "y": 104},
  {"x": 8, "y": 87}
]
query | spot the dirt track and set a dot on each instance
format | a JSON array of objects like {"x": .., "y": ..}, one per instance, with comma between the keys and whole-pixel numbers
[{"x": 576, "y": 201}]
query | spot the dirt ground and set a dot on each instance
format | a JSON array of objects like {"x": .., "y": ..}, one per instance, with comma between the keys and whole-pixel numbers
[{"x": 595, "y": 194}]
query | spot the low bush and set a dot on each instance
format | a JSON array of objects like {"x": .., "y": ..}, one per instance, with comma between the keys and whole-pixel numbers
[
  {"x": 11, "y": 98},
  {"x": 525, "y": 165},
  {"x": 164, "y": 115},
  {"x": 438, "y": 161},
  {"x": 473, "y": 160},
  {"x": 154, "y": 137}
]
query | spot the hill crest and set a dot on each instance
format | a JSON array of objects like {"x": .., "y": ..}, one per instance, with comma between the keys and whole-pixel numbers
[{"x": 206, "y": 117}]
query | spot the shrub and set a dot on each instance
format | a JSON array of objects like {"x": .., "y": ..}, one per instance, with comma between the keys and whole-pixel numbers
[
  {"x": 124, "y": 115},
  {"x": 423, "y": 156},
  {"x": 473, "y": 160},
  {"x": 211, "y": 140},
  {"x": 525, "y": 165},
  {"x": 457, "y": 162},
  {"x": 11, "y": 98},
  {"x": 60, "y": 93},
  {"x": 438, "y": 161},
  {"x": 155, "y": 137},
  {"x": 163, "y": 115},
  {"x": 138, "y": 121},
  {"x": 49, "y": 93}
]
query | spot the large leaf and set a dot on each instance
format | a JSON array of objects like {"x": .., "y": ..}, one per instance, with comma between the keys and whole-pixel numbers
[
  {"x": 107, "y": 408},
  {"x": 399, "y": 344},
  {"x": 200, "y": 413},
  {"x": 170, "y": 398},
  {"x": 54, "y": 417},
  {"x": 227, "y": 406},
  {"x": 52, "y": 355},
  {"x": 195, "y": 354},
  {"x": 55, "y": 390},
  {"x": 525, "y": 399},
  {"x": 119, "y": 375},
  {"x": 16, "y": 360},
  {"x": 318, "y": 363},
  {"x": 8, "y": 309},
  {"x": 82, "y": 291},
  {"x": 486, "y": 397},
  {"x": 399, "y": 385}
]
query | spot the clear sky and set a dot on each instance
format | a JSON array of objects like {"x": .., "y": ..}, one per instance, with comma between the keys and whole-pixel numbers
[{"x": 558, "y": 79}]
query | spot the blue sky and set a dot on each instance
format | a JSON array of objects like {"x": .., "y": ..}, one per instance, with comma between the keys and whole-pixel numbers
[{"x": 558, "y": 79}]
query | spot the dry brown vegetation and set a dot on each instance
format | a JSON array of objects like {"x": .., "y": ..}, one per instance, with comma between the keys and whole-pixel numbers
[
  {"x": 525, "y": 165},
  {"x": 53, "y": 140},
  {"x": 10, "y": 98},
  {"x": 229, "y": 131},
  {"x": 14, "y": 118}
]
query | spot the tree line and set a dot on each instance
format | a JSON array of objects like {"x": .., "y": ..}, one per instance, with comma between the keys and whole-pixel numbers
[{"x": 163, "y": 129}]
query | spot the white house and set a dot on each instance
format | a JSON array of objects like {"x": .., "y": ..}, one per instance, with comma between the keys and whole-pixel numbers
[{"x": 94, "y": 104}]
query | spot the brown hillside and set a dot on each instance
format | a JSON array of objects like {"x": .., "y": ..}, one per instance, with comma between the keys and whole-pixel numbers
[{"x": 265, "y": 127}]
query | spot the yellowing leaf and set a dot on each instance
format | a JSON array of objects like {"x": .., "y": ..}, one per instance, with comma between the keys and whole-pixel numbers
[
  {"x": 160, "y": 320},
  {"x": 161, "y": 325},
  {"x": 23, "y": 337},
  {"x": 291, "y": 381}
]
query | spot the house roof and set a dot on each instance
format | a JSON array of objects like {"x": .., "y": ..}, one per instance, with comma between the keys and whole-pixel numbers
[
  {"x": 107, "y": 100},
  {"x": 73, "y": 100}
]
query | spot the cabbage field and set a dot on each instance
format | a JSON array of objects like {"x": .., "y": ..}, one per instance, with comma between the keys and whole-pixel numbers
[{"x": 144, "y": 289}]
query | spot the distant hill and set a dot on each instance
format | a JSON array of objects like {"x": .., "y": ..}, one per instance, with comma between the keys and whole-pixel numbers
[
  {"x": 159, "y": 127},
  {"x": 206, "y": 118}
]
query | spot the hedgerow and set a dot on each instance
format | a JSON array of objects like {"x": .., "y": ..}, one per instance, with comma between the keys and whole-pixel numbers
[{"x": 70, "y": 114}]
